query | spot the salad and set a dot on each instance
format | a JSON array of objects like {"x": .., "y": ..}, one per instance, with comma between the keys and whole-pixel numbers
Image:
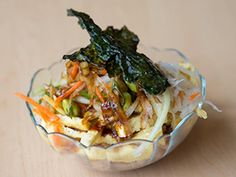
[{"x": 111, "y": 93}]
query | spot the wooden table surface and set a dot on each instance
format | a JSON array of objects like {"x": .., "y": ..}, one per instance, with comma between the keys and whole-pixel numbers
[{"x": 34, "y": 34}]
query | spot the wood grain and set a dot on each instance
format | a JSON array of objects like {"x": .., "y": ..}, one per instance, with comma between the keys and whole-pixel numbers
[{"x": 36, "y": 33}]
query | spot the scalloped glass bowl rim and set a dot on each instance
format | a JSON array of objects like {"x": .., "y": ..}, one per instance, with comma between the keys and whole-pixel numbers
[{"x": 181, "y": 123}]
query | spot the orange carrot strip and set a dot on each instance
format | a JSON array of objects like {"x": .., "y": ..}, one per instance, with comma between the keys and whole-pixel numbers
[
  {"x": 74, "y": 70},
  {"x": 42, "y": 115},
  {"x": 45, "y": 110},
  {"x": 99, "y": 94},
  {"x": 68, "y": 92},
  {"x": 103, "y": 71},
  {"x": 56, "y": 125},
  {"x": 57, "y": 140},
  {"x": 193, "y": 96}
]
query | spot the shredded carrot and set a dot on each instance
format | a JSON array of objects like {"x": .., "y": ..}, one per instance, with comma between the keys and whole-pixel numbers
[
  {"x": 103, "y": 71},
  {"x": 41, "y": 114},
  {"x": 57, "y": 140},
  {"x": 68, "y": 92},
  {"x": 99, "y": 94},
  {"x": 194, "y": 95},
  {"x": 57, "y": 127},
  {"x": 46, "y": 115},
  {"x": 50, "y": 116},
  {"x": 74, "y": 70}
]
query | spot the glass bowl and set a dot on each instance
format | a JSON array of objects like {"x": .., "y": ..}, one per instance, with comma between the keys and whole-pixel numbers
[{"x": 128, "y": 155}]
